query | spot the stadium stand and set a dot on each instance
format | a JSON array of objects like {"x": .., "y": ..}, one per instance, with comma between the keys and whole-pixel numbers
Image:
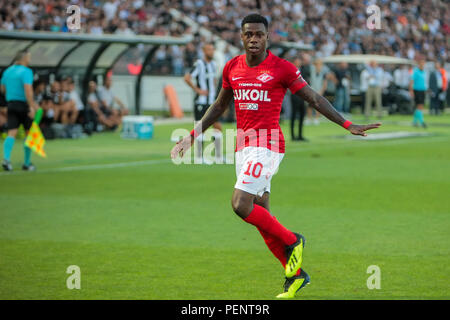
[{"x": 409, "y": 28}]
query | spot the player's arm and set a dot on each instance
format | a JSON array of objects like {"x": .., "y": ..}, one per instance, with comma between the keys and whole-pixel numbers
[
  {"x": 411, "y": 90},
  {"x": 322, "y": 105},
  {"x": 30, "y": 99},
  {"x": 197, "y": 90},
  {"x": 2, "y": 89},
  {"x": 119, "y": 102},
  {"x": 211, "y": 116}
]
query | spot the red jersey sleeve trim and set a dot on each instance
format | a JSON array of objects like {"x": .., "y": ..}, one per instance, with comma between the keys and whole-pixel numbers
[{"x": 297, "y": 85}]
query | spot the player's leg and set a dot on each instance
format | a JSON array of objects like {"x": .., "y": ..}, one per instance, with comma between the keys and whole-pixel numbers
[
  {"x": 3, "y": 117},
  {"x": 13, "y": 123},
  {"x": 275, "y": 245},
  {"x": 419, "y": 97},
  {"x": 255, "y": 168},
  {"x": 293, "y": 284},
  {"x": 63, "y": 112},
  {"x": 27, "y": 165},
  {"x": 243, "y": 206},
  {"x": 73, "y": 113}
]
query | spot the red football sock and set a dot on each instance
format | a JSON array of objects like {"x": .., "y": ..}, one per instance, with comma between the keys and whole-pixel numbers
[
  {"x": 276, "y": 247},
  {"x": 262, "y": 219}
]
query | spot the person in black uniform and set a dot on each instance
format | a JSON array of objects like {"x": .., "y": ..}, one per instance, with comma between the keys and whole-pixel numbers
[{"x": 298, "y": 105}]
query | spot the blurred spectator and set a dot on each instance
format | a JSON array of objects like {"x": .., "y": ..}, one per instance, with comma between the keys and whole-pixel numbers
[
  {"x": 44, "y": 100},
  {"x": 55, "y": 96},
  {"x": 444, "y": 91},
  {"x": 408, "y": 28},
  {"x": 374, "y": 89},
  {"x": 342, "y": 82},
  {"x": 319, "y": 76},
  {"x": 74, "y": 95},
  {"x": 298, "y": 107},
  {"x": 123, "y": 29},
  {"x": 363, "y": 86},
  {"x": 69, "y": 111},
  {"x": 402, "y": 77},
  {"x": 435, "y": 87},
  {"x": 110, "y": 100},
  {"x": 104, "y": 115}
]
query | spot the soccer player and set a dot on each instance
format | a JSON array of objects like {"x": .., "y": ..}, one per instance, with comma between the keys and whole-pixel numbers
[
  {"x": 204, "y": 73},
  {"x": 259, "y": 80},
  {"x": 17, "y": 83}
]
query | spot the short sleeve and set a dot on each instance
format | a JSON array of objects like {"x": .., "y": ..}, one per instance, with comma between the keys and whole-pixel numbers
[
  {"x": 92, "y": 98},
  {"x": 28, "y": 76},
  {"x": 413, "y": 75},
  {"x": 102, "y": 92},
  {"x": 195, "y": 69},
  {"x": 225, "y": 76},
  {"x": 292, "y": 78}
]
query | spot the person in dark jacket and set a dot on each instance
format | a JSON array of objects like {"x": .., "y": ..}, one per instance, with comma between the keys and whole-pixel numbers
[{"x": 298, "y": 105}]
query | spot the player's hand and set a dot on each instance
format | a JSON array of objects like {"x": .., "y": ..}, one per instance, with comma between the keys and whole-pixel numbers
[
  {"x": 360, "y": 130},
  {"x": 181, "y": 147},
  {"x": 201, "y": 92},
  {"x": 31, "y": 113}
]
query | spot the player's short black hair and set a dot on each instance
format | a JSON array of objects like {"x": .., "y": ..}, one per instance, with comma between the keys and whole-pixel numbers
[{"x": 255, "y": 18}]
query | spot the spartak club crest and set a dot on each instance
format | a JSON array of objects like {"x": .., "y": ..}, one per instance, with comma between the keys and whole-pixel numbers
[{"x": 264, "y": 77}]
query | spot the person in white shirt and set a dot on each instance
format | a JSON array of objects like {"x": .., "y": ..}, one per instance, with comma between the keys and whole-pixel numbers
[
  {"x": 73, "y": 94},
  {"x": 402, "y": 77},
  {"x": 104, "y": 114},
  {"x": 110, "y": 100},
  {"x": 374, "y": 89},
  {"x": 319, "y": 77},
  {"x": 363, "y": 86}
]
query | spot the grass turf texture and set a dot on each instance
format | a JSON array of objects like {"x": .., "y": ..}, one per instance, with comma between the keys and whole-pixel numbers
[{"x": 160, "y": 231}]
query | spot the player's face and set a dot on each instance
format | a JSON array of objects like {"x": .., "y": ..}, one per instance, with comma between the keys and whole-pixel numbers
[
  {"x": 208, "y": 50},
  {"x": 421, "y": 64},
  {"x": 108, "y": 82},
  {"x": 254, "y": 37}
]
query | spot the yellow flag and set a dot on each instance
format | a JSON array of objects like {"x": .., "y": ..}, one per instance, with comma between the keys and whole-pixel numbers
[{"x": 35, "y": 140}]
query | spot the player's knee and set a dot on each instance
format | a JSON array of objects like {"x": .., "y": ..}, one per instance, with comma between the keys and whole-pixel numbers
[{"x": 241, "y": 206}]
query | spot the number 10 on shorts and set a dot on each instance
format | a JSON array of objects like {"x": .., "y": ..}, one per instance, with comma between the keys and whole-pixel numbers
[{"x": 257, "y": 168}]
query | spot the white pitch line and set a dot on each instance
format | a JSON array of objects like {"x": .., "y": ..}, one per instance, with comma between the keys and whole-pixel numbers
[
  {"x": 94, "y": 166},
  {"x": 296, "y": 149}
]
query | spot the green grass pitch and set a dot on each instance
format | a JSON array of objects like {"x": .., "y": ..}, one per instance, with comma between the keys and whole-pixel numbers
[{"x": 140, "y": 227}]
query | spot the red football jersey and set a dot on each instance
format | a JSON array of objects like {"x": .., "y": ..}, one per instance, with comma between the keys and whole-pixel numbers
[{"x": 258, "y": 95}]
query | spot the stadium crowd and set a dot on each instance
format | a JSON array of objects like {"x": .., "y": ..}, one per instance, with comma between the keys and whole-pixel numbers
[
  {"x": 408, "y": 28},
  {"x": 64, "y": 111}
]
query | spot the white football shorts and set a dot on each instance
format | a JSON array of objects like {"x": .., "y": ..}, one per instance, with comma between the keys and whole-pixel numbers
[{"x": 255, "y": 167}]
